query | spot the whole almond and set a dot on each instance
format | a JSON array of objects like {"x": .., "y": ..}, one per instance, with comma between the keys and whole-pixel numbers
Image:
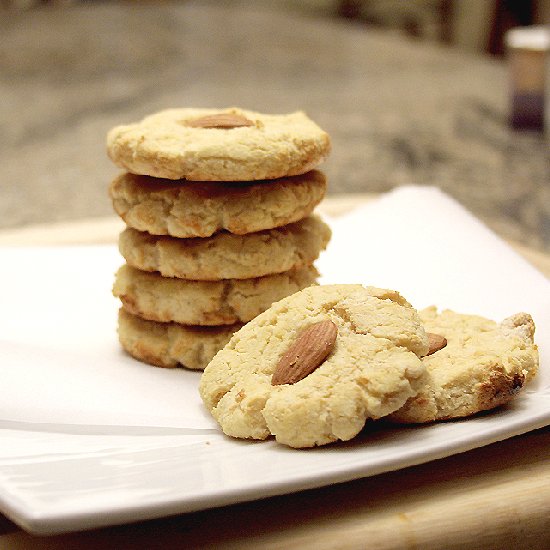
[
  {"x": 310, "y": 349},
  {"x": 436, "y": 342},
  {"x": 220, "y": 120}
]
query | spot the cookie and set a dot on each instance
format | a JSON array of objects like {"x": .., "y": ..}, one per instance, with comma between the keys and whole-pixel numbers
[
  {"x": 227, "y": 256},
  {"x": 370, "y": 371},
  {"x": 483, "y": 365},
  {"x": 218, "y": 145},
  {"x": 187, "y": 209},
  {"x": 226, "y": 302},
  {"x": 171, "y": 344}
]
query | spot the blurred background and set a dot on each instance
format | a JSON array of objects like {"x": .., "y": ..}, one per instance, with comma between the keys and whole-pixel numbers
[
  {"x": 418, "y": 91},
  {"x": 474, "y": 25}
]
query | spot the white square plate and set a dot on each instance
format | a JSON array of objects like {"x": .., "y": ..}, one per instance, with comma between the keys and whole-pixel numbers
[{"x": 90, "y": 437}]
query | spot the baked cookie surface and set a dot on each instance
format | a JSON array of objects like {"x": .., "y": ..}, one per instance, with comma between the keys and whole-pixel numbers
[
  {"x": 171, "y": 344},
  {"x": 178, "y": 144},
  {"x": 165, "y": 299},
  {"x": 187, "y": 209},
  {"x": 483, "y": 365},
  {"x": 371, "y": 371},
  {"x": 225, "y": 255}
]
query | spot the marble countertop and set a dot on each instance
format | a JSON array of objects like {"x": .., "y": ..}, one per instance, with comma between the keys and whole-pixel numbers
[{"x": 398, "y": 111}]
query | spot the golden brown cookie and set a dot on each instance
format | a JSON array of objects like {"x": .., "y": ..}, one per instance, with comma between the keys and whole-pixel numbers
[
  {"x": 226, "y": 302},
  {"x": 225, "y": 255},
  {"x": 370, "y": 371},
  {"x": 218, "y": 145},
  {"x": 483, "y": 365},
  {"x": 188, "y": 209},
  {"x": 171, "y": 344}
]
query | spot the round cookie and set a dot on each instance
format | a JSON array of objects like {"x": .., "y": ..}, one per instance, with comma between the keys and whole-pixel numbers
[
  {"x": 218, "y": 145},
  {"x": 227, "y": 256},
  {"x": 226, "y": 302},
  {"x": 187, "y": 209},
  {"x": 483, "y": 365},
  {"x": 171, "y": 344},
  {"x": 371, "y": 371}
]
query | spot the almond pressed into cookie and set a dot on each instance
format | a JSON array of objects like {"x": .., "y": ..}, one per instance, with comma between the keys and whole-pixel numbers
[
  {"x": 367, "y": 367},
  {"x": 219, "y": 145}
]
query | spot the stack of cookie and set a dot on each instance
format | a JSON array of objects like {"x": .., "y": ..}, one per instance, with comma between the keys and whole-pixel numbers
[{"x": 218, "y": 207}]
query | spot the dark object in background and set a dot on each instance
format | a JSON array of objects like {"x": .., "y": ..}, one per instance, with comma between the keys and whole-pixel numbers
[
  {"x": 507, "y": 15},
  {"x": 527, "y": 53}
]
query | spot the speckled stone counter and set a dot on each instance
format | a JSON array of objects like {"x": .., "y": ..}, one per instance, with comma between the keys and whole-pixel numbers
[{"x": 398, "y": 111}]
